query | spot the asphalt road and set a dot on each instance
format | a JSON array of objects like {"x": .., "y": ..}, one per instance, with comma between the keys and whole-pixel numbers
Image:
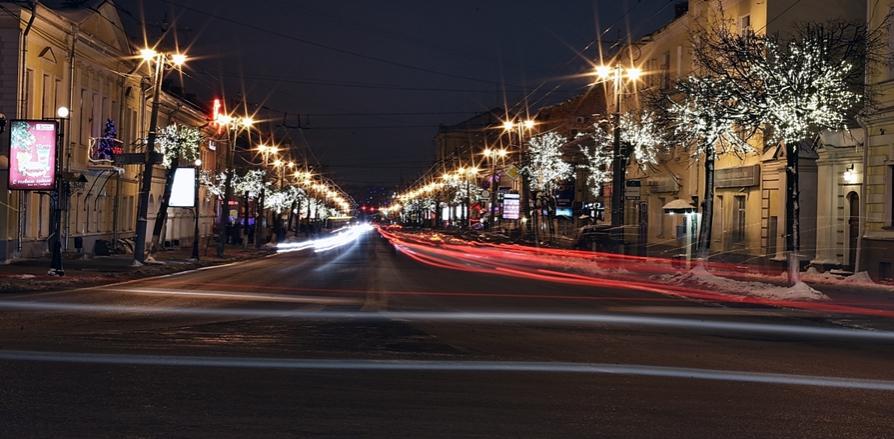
[{"x": 362, "y": 341}]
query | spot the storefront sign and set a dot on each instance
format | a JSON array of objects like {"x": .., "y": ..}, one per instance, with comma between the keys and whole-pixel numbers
[
  {"x": 510, "y": 206},
  {"x": 32, "y": 157}
]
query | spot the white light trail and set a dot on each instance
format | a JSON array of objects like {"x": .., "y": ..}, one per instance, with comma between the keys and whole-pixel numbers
[
  {"x": 450, "y": 366},
  {"x": 341, "y": 237},
  {"x": 476, "y": 317}
]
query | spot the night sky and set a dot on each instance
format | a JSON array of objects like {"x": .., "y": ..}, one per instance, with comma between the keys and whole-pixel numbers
[{"x": 373, "y": 79}]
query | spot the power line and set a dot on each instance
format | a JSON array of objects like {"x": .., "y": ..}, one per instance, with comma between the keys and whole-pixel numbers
[
  {"x": 327, "y": 46},
  {"x": 351, "y": 84}
]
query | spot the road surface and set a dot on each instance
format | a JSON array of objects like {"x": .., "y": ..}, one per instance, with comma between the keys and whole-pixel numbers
[{"x": 363, "y": 341}]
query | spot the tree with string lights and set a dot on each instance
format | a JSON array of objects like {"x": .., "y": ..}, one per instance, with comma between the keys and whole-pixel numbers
[
  {"x": 546, "y": 167},
  {"x": 175, "y": 142},
  {"x": 792, "y": 89}
]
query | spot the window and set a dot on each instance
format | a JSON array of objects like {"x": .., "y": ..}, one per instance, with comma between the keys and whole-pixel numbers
[
  {"x": 738, "y": 233},
  {"x": 665, "y": 70},
  {"x": 58, "y": 99},
  {"x": 744, "y": 24},
  {"x": 679, "y": 62},
  {"x": 890, "y": 189},
  {"x": 47, "y": 97},
  {"x": 84, "y": 126},
  {"x": 664, "y": 217},
  {"x": 28, "y": 97}
]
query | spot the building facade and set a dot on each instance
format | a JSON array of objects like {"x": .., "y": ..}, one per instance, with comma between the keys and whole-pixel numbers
[
  {"x": 750, "y": 188},
  {"x": 81, "y": 58}
]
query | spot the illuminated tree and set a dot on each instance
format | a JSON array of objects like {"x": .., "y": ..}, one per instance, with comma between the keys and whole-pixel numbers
[
  {"x": 215, "y": 183},
  {"x": 175, "y": 142},
  {"x": 642, "y": 136},
  {"x": 545, "y": 166},
  {"x": 794, "y": 88},
  {"x": 704, "y": 114}
]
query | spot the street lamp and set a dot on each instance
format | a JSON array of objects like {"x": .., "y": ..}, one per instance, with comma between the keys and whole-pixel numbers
[
  {"x": 161, "y": 62},
  {"x": 261, "y": 218},
  {"x": 618, "y": 75},
  {"x": 195, "y": 234},
  {"x": 234, "y": 126},
  {"x": 492, "y": 156},
  {"x": 522, "y": 129},
  {"x": 56, "y": 268}
]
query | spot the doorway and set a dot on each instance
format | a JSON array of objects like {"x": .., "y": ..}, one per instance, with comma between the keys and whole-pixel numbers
[{"x": 853, "y": 228}]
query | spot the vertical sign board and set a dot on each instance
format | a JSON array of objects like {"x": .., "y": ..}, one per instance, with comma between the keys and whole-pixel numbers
[
  {"x": 510, "y": 206},
  {"x": 32, "y": 154},
  {"x": 183, "y": 191}
]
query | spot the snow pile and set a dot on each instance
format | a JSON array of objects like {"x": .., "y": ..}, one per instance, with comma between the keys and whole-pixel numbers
[
  {"x": 860, "y": 280},
  {"x": 701, "y": 276}
]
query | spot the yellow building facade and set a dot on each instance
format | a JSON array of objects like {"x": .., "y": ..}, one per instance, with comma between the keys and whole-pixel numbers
[
  {"x": 82, "y": 59},
  {"x": 749, "y": 199}
]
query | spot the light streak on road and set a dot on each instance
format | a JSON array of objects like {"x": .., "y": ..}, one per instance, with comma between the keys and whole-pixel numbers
[
  {"x": 468, "y": 366},
  {"x": 239, "y": 295},
  {"x": 340, "y": 237},
  {"x": 588, "y": 269},
  {"x": 536, "y": 318}
]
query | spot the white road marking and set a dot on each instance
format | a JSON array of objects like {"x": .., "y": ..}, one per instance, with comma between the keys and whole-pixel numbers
[
  {"x": 627, "y": 320},
  {"x": 451, "y": 366},
  {"x": 238, "y": 295}
]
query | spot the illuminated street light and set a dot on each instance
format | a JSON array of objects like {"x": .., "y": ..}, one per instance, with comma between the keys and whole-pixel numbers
[
  {"x": 148, "y": 54},
  {"x": 618, "y": 75},
  {"x": 63, "y": 112},
  {"x": 178, "y": 59},
  {"x": 162, "y": 62}
]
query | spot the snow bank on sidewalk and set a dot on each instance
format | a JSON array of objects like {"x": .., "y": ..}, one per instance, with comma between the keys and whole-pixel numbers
[
  {"x": 704, "y": 278},
  {"x": 861, "y": 280}
]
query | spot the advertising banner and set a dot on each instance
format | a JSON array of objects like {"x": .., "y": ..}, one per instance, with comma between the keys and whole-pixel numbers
[
  {"x": 32, "y": 154},
  {"x": 183, "y": 192}
]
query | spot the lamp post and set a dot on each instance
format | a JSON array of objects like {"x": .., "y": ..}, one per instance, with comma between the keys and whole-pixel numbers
[
  {"x": 56, "y": 268},
  {"x": 234, "y": 125},
  {"x": 195, "y": 233},
  {"x": 521, "y": 129},
  {"x": 161, "y": 62},
  {"x": 260, "y": 216},
  {"x": 492, "y": 155},
  {"x": 617, "y": 75}
]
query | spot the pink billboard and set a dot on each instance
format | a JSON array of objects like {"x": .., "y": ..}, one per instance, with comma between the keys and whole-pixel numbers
[{"x": 32, "y": 154}]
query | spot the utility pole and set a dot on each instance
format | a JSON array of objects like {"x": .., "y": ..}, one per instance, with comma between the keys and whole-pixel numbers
[
  {"x": 617, "y": 74},
  {"x": 195, "y": 234},
  {"x": 56, "y": 267},
  {"x": 139, "y": 252}
]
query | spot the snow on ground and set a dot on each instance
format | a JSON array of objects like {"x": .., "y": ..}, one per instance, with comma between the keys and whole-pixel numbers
[
  {"x": 859, "y": 280},
  {"x": 701, "y": 276}
]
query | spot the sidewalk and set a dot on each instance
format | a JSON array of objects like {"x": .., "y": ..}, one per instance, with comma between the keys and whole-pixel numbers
[{"x": 30, "y": 275}]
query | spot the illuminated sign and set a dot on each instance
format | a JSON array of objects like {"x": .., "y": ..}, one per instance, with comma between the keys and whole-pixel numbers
[
  {"x": 510, "y": 206},
  {"x": 32, "y": 154},
  {"x": 217, "y": 114},
  {"x": 183, "y": 191}
]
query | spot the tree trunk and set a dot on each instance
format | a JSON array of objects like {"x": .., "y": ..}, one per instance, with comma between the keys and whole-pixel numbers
[
  {"x": 704, "y": 238},
  {"x": 245, "y": 233},
  {"x": 792, "y": 214},
  {"x": 162, "y": 215},
  {"x": 259, "y": 220}
]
